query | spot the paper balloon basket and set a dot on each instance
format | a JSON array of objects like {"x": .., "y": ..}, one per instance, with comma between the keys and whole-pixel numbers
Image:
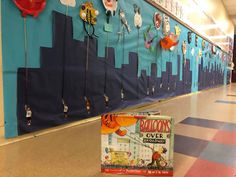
[{"x": 137, "y": 143}]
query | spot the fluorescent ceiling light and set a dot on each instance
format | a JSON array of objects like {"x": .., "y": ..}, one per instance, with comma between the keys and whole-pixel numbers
[
  {"x": 218, "y": 37},
  {"x": 222, "y": 43},
  {"x": 211, "y": 26}
]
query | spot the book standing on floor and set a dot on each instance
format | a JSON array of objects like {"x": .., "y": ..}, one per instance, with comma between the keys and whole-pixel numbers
[{"x": 137, "y": 143}]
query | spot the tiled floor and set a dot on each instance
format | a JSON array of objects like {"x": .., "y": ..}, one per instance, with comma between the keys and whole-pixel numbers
[
  {"x": 217, "y": 152},
  {"x": 204, "y": 142}
]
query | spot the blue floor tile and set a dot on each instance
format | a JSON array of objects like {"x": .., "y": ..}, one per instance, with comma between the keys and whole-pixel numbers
[
  {"x": 229, "y": 127},
  {"x": 220, "y": 153},
  {"x": 189, "y": 146},
  {"x": 203, "y": 122},
  {"x": 226, "y": 102}
]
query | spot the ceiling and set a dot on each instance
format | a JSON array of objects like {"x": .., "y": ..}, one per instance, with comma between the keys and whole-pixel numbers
[{"x": 230, "y": 6}]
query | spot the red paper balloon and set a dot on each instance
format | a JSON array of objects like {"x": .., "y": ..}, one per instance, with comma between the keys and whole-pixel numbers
[{"x": 30, "y": 7}]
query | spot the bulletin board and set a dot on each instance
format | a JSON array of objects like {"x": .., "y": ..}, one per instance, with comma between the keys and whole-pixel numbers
[{"x": 64, "y": 62}]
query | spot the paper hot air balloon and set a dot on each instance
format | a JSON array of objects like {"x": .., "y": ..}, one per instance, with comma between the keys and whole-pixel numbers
[{"x": 30, "y": 7}]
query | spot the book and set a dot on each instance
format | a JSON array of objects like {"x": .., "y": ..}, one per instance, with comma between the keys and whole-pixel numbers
[{"x": 137, "y": 143}]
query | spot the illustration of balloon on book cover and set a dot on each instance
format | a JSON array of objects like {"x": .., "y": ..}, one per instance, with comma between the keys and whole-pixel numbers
[{"x": 137, "y": 143}]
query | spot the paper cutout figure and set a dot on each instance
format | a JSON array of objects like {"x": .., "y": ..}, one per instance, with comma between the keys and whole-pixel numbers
[
  {"x": 169, "y": 41},
  {"x": 193, "y": 51},
  {"x": 149, "y": 38},
  {"x": 184, "y": 50},
  {"x": 89, "y": 15},
  {"x": 200, "y": 53},
  {"x": 137, "y": 17},
  {"x": 71, "y": 3},
  {"x": 166, "y": 25},
  {"x": 196, "y": 41},
  {"x": 213, "y": 49},
  {"x": 110, "y": 6},
  {"x": 30, "y": 7},
  {"x": 124, "y": 20},
  {"x": 189, "y": 37},
  {"x": 157, "y": 20},
  {"x": 203, "y": 44},
  {"x": 28, "y": 115},
  {"x": 177, "y": 30}
]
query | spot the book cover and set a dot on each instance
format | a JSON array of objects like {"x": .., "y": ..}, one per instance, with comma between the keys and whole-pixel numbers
[{"x": 137, "y": 143}]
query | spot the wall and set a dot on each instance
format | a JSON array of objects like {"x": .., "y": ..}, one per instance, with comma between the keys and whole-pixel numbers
[
  {"x": 234, "y": 60},
  {"x": 1, "y": 90},
  {"x": 56, "y": 41}
]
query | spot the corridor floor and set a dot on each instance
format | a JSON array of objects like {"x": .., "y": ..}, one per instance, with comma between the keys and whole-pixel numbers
[{"x": 205, "y": 142}]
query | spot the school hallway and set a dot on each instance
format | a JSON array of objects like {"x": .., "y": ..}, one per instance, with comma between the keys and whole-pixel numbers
[{"x": 205, "y": 140}]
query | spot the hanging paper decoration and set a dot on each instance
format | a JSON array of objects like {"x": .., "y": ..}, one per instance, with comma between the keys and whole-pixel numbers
[
  {"x": 28, "y": 115},
  {"x": 124, "y": 20},
  {"x": 71, "y": 3},
  {"x": 217, "y": 52},
  {"x": 65, "y": 108},
  {"x": 193, "y": 51},
  {"x": 177, "y": 30},
  {"x": 184, "y": 50},
  {"x": 203, "y": 44},
  {"x": 89, "y": 15},
  {"x": 230, "y": 65},
  {"x": 157, "y": 20},
  {"x": 196, "y": 41},
  {"x": 221, "y": 55},
  {"x": 137, "y": 17},
  {"x": 169, "y": 41},
  {"x": 213, "y": 49},
  {"x": 124, "y": 25},
  {"x": 110, "y": 6},
  {"x": 30, "y": 7},
  {"x": 149, "y": 38},
  {"x": 200, "y": 53},
  {"x": 166, "y": 25},
  {"x": 189, "y": 37},
  {"x": 87, "y": 104}
]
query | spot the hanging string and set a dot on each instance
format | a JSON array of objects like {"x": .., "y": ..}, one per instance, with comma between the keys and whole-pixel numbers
[
  {"x": 161, "y": 84},
  {"x": 28, "y": 111},
  {"x": 65, "y": 106},
  {"x": 122, "y": 68},
  {"x": 168, "y": 79},
  {"x": 148, "y": 83},
  {"x": 138, "y": 64},
  {"x": 26, "y": 61},
  {"x": 87, "y": 102},
  {"x": 106, "y": 98},
  {"x": 67, "y": 8},
  {"x": 183, "y": 72}
]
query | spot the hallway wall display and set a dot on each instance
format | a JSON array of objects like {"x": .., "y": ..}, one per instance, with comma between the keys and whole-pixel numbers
[{"x": 74, "y": 74}]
